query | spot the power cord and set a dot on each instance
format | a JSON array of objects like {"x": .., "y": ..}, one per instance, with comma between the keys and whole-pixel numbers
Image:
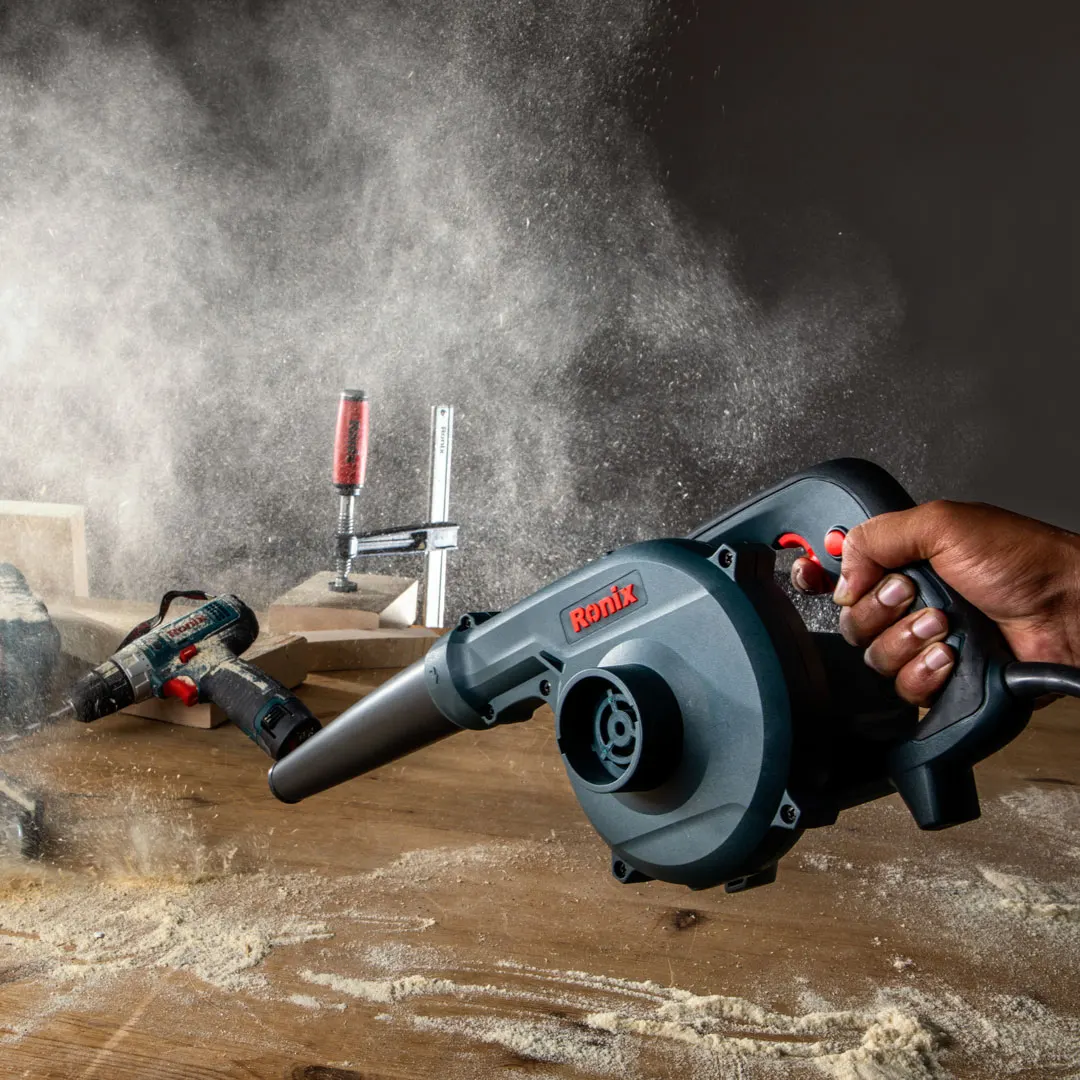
[{"x": 1034, "y": 680}]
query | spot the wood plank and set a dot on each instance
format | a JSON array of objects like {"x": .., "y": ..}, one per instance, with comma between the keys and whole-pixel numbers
[
  {"x": 335, "y": 650},
  {"x": 47, "y": 542},
  {"x": 380, "y": 600}
]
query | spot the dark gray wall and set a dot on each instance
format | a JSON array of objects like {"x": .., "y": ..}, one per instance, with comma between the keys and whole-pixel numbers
[{"x": 944, "y": 136}]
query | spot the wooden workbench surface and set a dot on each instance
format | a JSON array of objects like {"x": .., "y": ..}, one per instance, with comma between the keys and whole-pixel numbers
[{"x": 453, "y": 916}]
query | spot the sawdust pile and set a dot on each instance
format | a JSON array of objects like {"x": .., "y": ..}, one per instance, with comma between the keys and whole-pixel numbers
[
  {"x": 1054, "y": 812},
  {"x": 997, "y": 910},
  {"x": 429, "y": 864},
  {"x": 538, "y": 1040},
  {"x": 216, "y": 930}
]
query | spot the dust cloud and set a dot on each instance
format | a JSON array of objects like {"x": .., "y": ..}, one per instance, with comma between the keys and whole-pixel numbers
[{"x": 214, "y": 216}]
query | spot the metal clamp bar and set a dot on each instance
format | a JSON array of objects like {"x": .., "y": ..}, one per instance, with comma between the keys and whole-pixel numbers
[
  {"x": 440, "y": 536},
  {"x": 442, "y": 437}
]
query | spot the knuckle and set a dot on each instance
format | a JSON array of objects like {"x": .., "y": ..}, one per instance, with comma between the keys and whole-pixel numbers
[
  {"x": 856, "y": 546},
  {"x": 940, "y": 517}
]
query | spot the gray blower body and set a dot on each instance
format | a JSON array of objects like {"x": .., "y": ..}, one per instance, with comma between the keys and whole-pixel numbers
[{"x": 702, "y": 725}]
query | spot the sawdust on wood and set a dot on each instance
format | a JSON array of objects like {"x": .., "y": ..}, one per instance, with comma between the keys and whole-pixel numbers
[{"x": 203, "y": 914}]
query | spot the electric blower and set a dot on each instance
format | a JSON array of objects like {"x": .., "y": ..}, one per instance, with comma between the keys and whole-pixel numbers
[{"x": 703, "y": 726}]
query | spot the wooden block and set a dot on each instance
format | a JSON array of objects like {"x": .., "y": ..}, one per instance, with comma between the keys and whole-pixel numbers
[
  {"x": 47, "y": 542},
  {"x": 380, "y": 600},
  {"x": 336, "y": 650},
  {"x": 281, "y": 656}
]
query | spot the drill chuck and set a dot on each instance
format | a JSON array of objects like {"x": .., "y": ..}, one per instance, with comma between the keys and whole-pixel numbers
[{"x": 101, "y": 692}]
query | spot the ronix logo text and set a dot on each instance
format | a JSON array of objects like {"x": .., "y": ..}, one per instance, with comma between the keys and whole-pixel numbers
[
  {"x": 600, "y": 607},
  {"x": 194, "y": 622}
]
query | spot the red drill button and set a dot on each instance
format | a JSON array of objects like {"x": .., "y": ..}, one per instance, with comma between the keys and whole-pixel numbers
[
  {"x": 834, "y": 542},
  {"x": 187, "y": 652},
  {"x": 182, "y": 688}
]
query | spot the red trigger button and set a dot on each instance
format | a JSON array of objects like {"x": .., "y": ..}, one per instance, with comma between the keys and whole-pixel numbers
[
  {"x": 834, "y": 542},
  {"x": 187, "y": 652},
  {"x": 182, "y": 688}
]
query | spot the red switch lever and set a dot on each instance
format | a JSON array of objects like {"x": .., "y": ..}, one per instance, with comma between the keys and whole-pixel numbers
[
  {"x": 351, "y": 442},
  {"x": 794, "y": 540}
]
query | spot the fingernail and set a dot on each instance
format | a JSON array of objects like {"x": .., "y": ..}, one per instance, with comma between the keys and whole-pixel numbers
[
  {"x": 895, "y": 590},
  {"x": 937, "y": 658},
  {"x": 927, "y": 625},
  {"x": 842, "y": 594},
  {"x": 799, "y": 577},
  {"x": 868, "y": 660}
]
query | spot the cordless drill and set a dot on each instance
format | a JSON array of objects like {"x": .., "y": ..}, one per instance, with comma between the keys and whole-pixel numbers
[{"x": 196, "y": 658}]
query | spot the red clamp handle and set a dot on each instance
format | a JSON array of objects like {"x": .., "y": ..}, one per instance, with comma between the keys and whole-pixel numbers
[{"x": 351, "y": 441}]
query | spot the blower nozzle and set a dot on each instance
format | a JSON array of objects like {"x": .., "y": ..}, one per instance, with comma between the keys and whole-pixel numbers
[{"x": 392, "y": 721}]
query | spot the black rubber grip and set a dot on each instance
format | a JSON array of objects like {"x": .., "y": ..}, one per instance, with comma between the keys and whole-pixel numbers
[{"x": 264, "y": 710}]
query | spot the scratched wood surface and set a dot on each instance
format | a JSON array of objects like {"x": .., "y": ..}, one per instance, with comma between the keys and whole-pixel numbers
[{"x": 841, "y": 921}]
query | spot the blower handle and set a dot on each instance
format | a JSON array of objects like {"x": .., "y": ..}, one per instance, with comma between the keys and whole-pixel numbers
[{"x": 975, "y": 714}]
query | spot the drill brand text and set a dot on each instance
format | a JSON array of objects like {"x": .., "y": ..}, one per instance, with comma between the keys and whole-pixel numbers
[{"x": 196, "y": 620}]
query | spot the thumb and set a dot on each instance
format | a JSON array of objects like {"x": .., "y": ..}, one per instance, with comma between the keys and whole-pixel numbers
[{"x": 886, "y": 542}]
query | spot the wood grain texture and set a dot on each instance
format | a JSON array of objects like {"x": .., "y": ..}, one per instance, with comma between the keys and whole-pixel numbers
[{"x": 844, "y": 911}]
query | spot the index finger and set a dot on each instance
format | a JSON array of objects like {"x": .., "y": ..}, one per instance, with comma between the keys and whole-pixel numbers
[{"x": 887, "y": 542}]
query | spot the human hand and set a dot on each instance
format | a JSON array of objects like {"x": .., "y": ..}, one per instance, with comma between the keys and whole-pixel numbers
[{"x": 1022, "y": 573}]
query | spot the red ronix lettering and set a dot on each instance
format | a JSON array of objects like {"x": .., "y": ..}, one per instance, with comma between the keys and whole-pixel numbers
[
  {"x": 581, "y": 618},
  {"x": 192, "y": 623}
]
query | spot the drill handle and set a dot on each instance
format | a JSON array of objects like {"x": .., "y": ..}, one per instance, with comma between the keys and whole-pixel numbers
[{"x": 264, "y": 710}]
